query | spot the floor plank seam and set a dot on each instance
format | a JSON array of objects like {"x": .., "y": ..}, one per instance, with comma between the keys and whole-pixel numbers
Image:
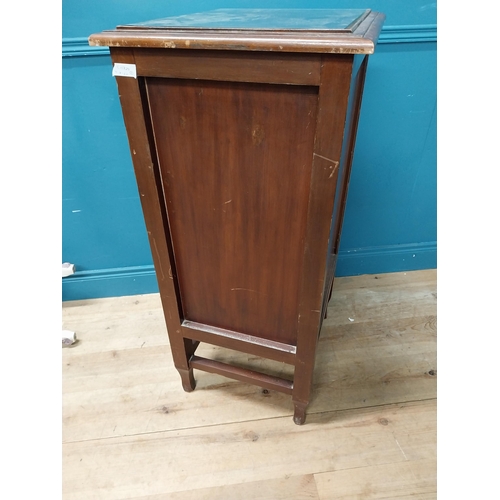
[
  {"x": 361, "y": 467},
  {"x": 180, "y": 429},
  {"x": 397, "y": 403}
]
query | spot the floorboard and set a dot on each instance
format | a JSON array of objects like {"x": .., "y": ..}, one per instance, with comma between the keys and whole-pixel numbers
[{"x": 131, "y": 432}]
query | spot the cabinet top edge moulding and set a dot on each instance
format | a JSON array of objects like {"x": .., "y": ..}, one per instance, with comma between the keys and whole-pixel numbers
[{"x": 335, "y": 31}]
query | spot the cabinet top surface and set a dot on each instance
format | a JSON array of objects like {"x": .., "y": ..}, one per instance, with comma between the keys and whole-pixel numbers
[
  {"x": 263, "y": 19},
  {"x": 287, "y": 30}
]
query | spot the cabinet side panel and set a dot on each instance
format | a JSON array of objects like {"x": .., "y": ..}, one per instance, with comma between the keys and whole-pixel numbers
[
  {"x": 351, "y": 125},
  {"x": 235, "y": 160}
]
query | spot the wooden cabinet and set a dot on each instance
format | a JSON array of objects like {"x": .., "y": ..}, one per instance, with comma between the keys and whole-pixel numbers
[{"x": 241, "y": 125}]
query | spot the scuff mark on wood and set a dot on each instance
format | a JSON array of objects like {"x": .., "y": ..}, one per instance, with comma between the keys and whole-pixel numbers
[
  {"x": 159, "y": 259},
  {"x": 325, "y": 158},
  {"x": 334, "y": 169},
  {"x": 258, "y": 135}
]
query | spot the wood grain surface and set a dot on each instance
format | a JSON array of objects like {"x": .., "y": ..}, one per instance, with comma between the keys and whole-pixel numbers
[{"x": 236, "y": 198}]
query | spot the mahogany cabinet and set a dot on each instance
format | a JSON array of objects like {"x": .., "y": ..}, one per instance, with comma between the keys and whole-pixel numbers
[{"x": 241, "y": 125}]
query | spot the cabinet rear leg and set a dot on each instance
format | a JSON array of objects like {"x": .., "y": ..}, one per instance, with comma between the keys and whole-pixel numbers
[{"x": 299, "y": 413}]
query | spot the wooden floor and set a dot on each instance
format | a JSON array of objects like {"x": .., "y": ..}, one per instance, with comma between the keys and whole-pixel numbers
[{"x": 131, "y": 432}]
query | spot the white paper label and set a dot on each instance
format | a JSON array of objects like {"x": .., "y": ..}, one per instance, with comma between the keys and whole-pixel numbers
[{"x": 122, "y": 69}]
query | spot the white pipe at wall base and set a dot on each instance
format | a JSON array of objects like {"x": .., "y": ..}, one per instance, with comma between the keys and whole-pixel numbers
[
  {"x": 68, "y": 338},
  {"x": 68, "y": 269}
]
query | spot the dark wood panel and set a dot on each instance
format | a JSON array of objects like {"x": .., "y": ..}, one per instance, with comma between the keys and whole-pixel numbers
[
  {"x": 294, "y": 69},
  {"x": 350, "y": 141},
  {"x": 350, "y": 129},
  {"x": 236, "y": 179}
]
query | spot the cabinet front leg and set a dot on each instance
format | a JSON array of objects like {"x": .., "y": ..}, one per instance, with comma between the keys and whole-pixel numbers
[
  {"x": 188, "y": 381},
  {"x": 182, "y": 351}
]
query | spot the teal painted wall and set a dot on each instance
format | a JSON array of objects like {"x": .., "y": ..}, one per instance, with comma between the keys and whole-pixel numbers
[{"x": 390, "y": 221}]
